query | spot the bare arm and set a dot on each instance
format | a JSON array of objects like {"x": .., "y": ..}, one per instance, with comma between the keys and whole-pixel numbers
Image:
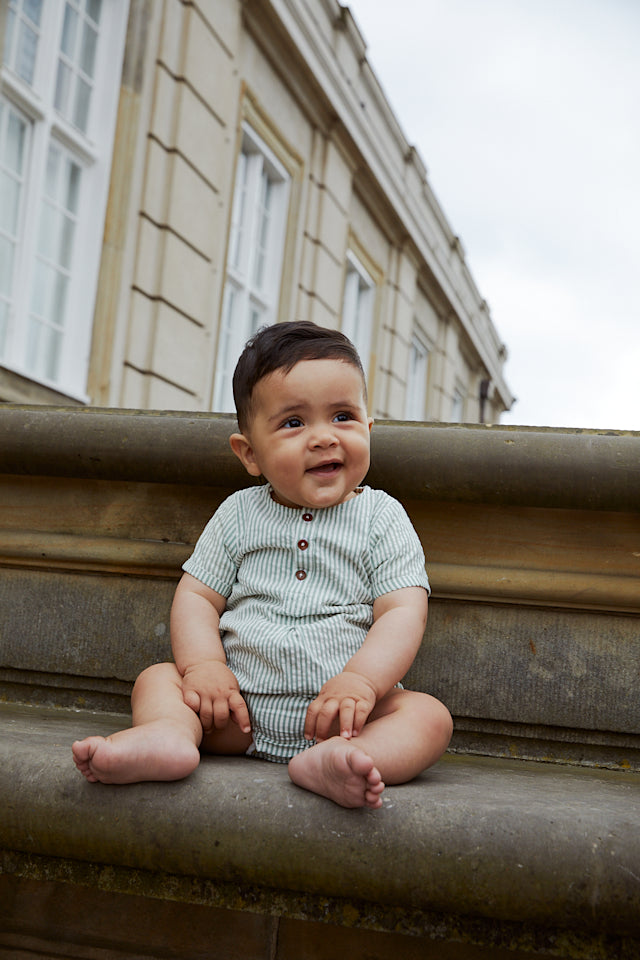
[
  {"x": 209, "y": 687},
  {"x": 399, "y": 620},
  {"x": 195, "y": 623}
]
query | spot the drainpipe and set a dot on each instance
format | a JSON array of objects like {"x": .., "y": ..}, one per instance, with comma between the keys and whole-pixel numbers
[{"x": 484, "y": 393}]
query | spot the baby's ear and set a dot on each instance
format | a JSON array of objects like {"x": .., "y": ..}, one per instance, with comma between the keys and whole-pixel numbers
[{"x": 243, "y": 450}]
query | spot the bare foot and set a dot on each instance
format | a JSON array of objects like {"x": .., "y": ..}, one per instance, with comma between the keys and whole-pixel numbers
[
  {"x": 339, "y": 770},
  {"x": 151, "y": 751}
]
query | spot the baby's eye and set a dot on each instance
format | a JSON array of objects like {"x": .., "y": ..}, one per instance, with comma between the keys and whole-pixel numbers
[
  {"x": 292, "y": 422},
  {"x": 342, "y": 417}
]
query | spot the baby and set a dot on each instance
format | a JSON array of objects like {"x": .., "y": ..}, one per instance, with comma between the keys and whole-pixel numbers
[{"x": 303, "y": 605}]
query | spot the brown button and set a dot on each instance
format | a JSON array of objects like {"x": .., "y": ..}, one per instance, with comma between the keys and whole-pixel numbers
[
  {"x": 307, "y": 516},
  {"x": 301, "y": 574},
  {"x": 303, "y": 544}
]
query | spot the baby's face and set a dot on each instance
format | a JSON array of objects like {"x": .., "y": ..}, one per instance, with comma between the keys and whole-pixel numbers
[{"x": 309, "y": 436}]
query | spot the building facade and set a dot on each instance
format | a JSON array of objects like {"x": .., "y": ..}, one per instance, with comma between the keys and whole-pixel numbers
[{"x": 174, "y": 175}]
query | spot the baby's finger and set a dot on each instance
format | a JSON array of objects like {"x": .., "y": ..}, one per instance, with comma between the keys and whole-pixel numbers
[
  {"x": 192, "y": 699},
  {"x": 325, "y": 718},
  {"x": 220, "y": 713},
  {"x": 240, "y": 713},
  {"x": 206, "y": 714},
  {"x": 347, "y": 718},
  {"x": 309, "y": 731},
  {"x": 361, "y": 715},
  {"x": 319, "y": 717}
]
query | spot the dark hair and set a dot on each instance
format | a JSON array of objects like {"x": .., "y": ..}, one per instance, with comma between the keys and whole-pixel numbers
[{"x": 280, "y": 347}]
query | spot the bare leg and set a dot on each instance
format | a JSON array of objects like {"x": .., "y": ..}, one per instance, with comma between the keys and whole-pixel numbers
[
  {"x": 163, "y": 742},
  {"x": 406, "y": 733}
]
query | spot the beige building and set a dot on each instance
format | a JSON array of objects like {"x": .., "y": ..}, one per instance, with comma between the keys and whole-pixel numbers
[{"x": 173, "y": 175}]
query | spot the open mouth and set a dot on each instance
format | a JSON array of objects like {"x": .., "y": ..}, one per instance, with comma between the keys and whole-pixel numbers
[{"x": 325, "y": 469}]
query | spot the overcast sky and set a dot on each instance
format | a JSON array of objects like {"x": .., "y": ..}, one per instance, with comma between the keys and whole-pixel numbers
[{"x": 526, "y": 114}]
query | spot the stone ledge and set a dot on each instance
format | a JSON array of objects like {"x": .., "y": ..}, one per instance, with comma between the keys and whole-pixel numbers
[
  {"x": 509, "y": 841},
  {"x": 528, "y": 466}
]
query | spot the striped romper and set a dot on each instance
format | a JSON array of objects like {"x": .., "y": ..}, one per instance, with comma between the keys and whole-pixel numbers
[{"x": 300, "y": 586}]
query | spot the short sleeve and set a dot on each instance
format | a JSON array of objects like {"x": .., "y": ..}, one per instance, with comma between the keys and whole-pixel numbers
[
  {"x": 216, "y": 555},
  {"x": 396, "y": 554}
]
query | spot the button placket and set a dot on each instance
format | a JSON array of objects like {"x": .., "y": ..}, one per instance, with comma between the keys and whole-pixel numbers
[{"x": 303, "y": 545}]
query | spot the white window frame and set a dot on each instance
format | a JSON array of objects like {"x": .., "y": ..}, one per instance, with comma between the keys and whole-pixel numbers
[
  {"x": 91, "y": 151},
  {"x": 415, "y": 402},
  {"x": 254, "y": 257},
  {"x": 357, "y": 308}
]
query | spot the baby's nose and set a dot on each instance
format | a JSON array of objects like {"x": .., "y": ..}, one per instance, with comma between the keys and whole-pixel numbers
[{"x": 323, "y": 435}]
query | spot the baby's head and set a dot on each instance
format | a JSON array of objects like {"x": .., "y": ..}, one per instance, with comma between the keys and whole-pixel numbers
[
  {"x": 281, "y": 347},
  {"x": 302, "y": 411}
]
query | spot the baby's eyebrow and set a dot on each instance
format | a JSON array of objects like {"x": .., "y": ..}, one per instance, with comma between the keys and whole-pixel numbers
[
  {"x": 286, "y": 412},
  {"x": 349, "y": 406}
]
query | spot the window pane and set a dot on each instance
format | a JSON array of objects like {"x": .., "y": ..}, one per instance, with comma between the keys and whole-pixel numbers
[
  {"x": 457, "y": 407},
  {"x": 72, "y": 189},
  {"x": 53, "y": 165},
  {"x": 13, "y": 148},
  {"x": 94, "y": 9},
  {"x": 4, "y": 325},
  {"x": 416, "y": 392},
  {"x": 43, "y": 350},
  {"x": 88, "y": 49},
  {"x": 223, "y": 385},
  {"x": 9, "y": 202},
  {"x": 238, "y": 215},
  {"x": 264, "y": 215},
  {"x": 357, "y": 309},
  {"x": 67, "y": 227},
  {"x": 26, "y": 53},
  {"x": 39, "y": 291},
  {"x": 48, "y": 298},
  {"x": 32, "y": 9},
  {"x": 63, "y": 86},
  {"x": 59, "y": 299},
  {"x": 69, "y": 29},
  {"x": 256, "y": 320},
  {"x": 6, "y": 265},
  {"x": 53, "y": 354},
  {"x": 56, "y": 236},
  {"x": 8, "y": 36},
  {"x": 81, "y": 111}
]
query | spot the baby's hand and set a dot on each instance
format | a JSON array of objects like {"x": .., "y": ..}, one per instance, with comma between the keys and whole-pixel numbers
[
  {"x": 211, "y": 690},
  {"x": 349, "y": 698}
]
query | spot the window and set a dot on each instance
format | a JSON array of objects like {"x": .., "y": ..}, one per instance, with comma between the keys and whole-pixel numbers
[
  {"x": 457, "y": 407},
  {"x": 254, "y": 259},
  {"x": 357, "y": 308},
  {"x": 416, "y": 394},
  {"x": 59, "y": 92}
]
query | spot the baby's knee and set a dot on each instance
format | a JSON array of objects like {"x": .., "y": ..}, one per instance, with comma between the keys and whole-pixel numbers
[
  {"x": 432, "y": 714},
  {"x": 157, "y": 675},
  {"x": 441, "y": 719}
]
